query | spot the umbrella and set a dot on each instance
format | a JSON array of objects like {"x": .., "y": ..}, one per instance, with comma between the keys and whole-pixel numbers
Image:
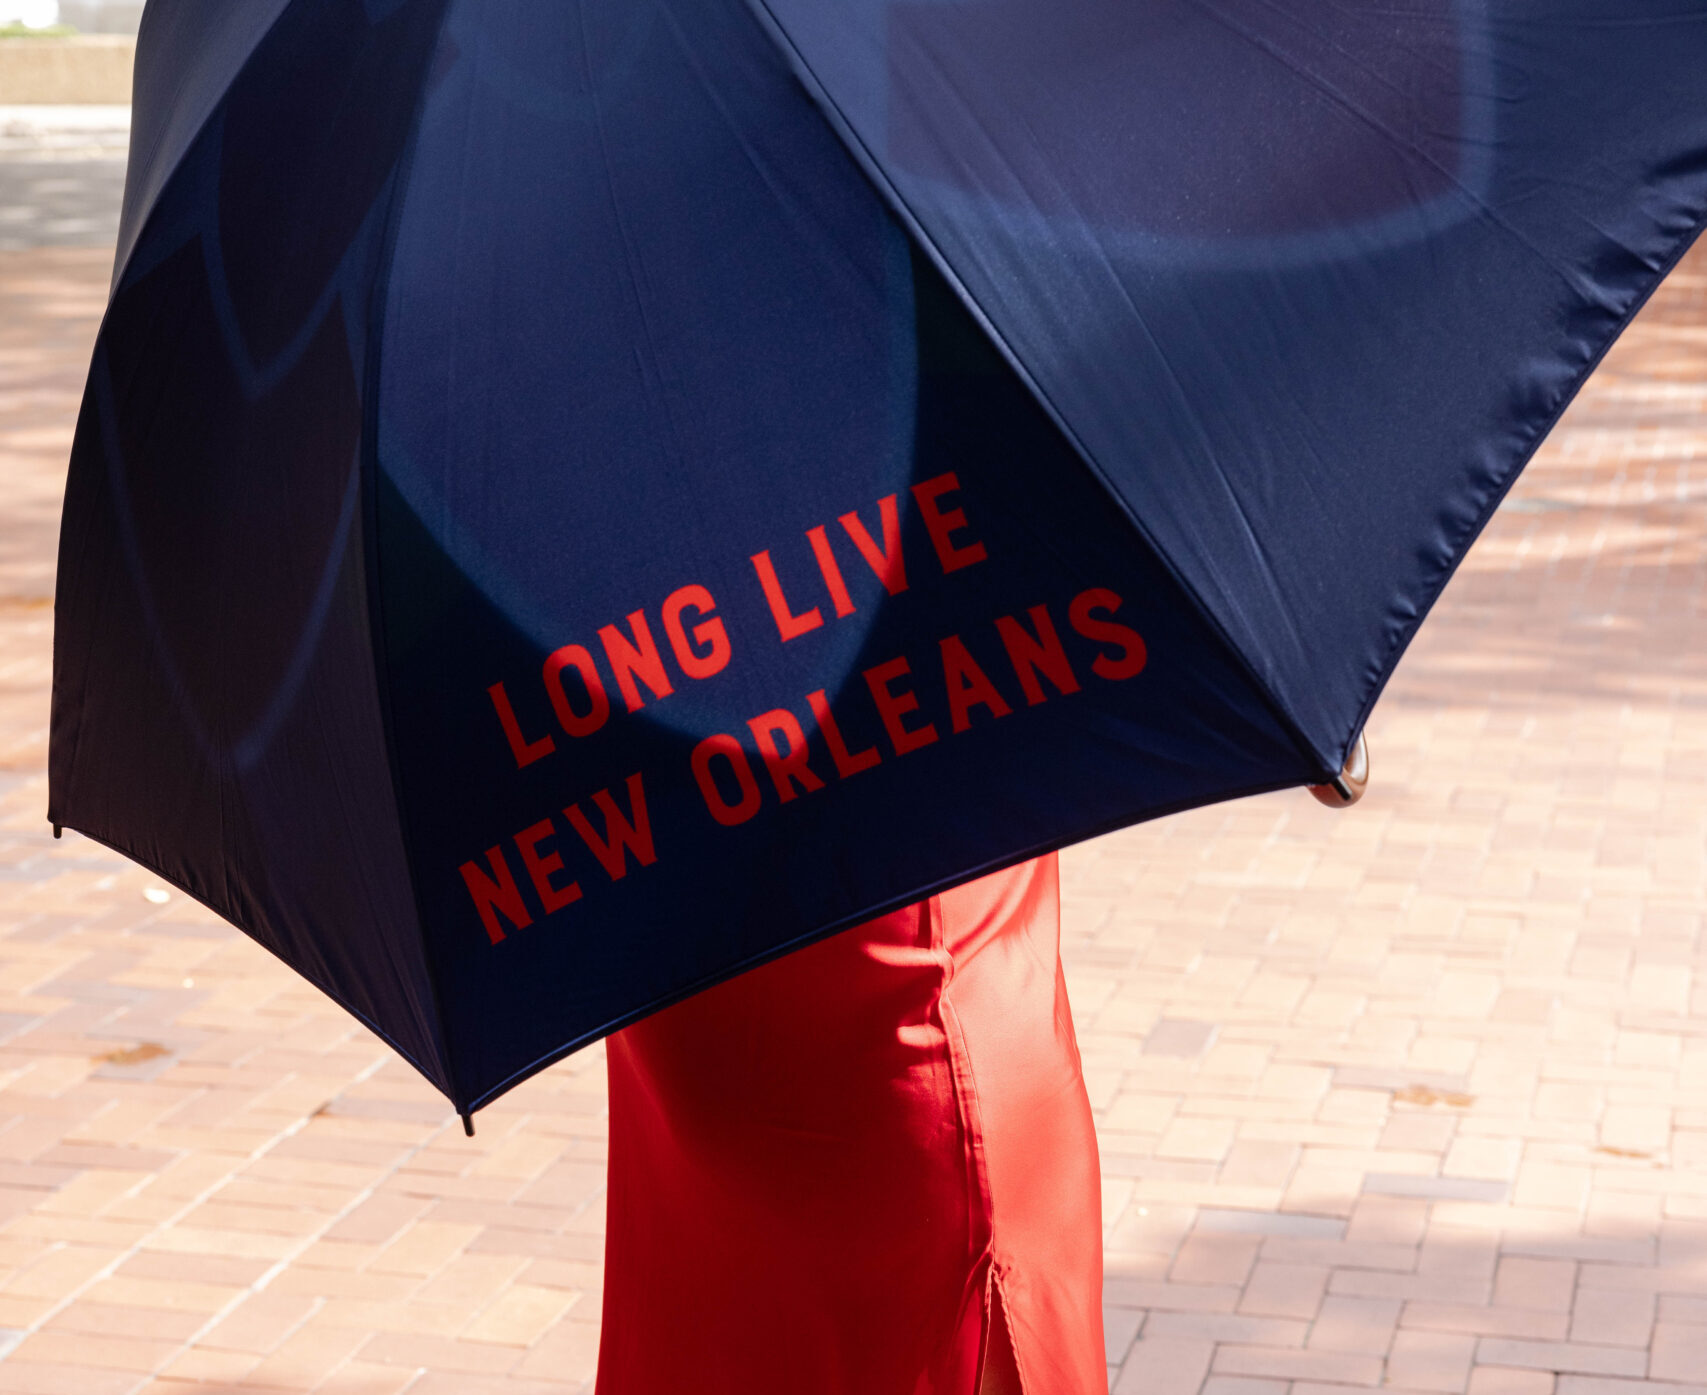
[{"x": 572, "y": 501}]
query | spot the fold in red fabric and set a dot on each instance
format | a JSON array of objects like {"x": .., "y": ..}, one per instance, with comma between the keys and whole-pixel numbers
[{"x": 834, "y": 1173}]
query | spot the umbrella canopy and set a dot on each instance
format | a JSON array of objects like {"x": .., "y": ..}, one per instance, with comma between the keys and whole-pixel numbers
[{"x": 573, "y": 501}]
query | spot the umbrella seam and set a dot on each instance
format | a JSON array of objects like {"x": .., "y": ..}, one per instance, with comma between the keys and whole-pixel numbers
[
  {"x": 892, "y": 197},
  {"x": 369, "y": 466}
]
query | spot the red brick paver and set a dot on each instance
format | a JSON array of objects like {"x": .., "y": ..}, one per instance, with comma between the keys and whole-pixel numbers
[{"x": 1407, "y": 1096}]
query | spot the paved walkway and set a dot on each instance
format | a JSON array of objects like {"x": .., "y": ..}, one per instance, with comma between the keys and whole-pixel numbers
[
  {"x": 1410, "y": 1096},
  {"x": 61, "y": 175}
]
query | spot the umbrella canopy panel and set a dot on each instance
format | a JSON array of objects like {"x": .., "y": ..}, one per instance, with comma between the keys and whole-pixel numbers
[
  {"x": 704, "y": 502},
  {"x": 216, "y": 710},
  {"x": 1307, "y": 283},
  {"x": 187, "y": 55},
  {"x": 556, "y": 520}
]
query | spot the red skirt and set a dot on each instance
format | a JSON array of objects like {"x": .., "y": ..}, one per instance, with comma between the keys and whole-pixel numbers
[{"x": 866, "y": 1168}]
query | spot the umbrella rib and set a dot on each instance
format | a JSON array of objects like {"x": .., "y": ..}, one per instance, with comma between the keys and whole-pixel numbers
[
  {"x": 1325, "y": 766},
  {"x": 401, "y": 177}
]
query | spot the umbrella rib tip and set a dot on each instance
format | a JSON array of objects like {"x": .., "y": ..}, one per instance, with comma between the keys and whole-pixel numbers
[{"x": 1346, "y": 788}]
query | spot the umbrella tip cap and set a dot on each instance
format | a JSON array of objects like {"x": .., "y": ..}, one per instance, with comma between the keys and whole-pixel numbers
[
  {"x": 467, "y": 1124},
  {"x": 1346, "y": 788}
]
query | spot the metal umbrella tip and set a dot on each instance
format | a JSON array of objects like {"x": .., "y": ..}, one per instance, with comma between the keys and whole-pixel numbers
[{"x": 1346, "y": 788}]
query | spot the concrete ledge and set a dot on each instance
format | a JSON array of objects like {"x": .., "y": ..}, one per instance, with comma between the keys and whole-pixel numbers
[{"x": 52, "y": 72}]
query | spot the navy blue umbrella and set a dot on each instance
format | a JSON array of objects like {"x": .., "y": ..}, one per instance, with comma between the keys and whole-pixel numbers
[{"x": 574, "y": 500}]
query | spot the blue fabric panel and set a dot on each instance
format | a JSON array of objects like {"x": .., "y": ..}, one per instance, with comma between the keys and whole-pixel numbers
[
  {"x": 646, "y": 321},
  {"x": 188, "y": 52},
  {"x": 1307, "y": 283},
  {"x": 216, "y": 711}
]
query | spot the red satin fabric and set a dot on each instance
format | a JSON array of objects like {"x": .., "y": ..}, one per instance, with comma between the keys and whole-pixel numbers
[{"x": 823, "y": 1171}]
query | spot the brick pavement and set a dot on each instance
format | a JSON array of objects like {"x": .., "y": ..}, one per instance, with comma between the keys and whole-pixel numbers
[{"x": 1399, "y": 1097}]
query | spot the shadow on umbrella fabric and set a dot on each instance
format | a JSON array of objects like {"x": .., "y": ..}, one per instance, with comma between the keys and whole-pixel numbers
[{"x": 573, "y": 502}]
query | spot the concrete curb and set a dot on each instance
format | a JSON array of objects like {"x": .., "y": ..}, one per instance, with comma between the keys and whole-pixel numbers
[{"x": 92, "y": 68}]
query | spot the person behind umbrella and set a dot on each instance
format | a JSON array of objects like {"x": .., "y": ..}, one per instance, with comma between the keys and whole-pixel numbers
[{"x": 866, "y": 1167}]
